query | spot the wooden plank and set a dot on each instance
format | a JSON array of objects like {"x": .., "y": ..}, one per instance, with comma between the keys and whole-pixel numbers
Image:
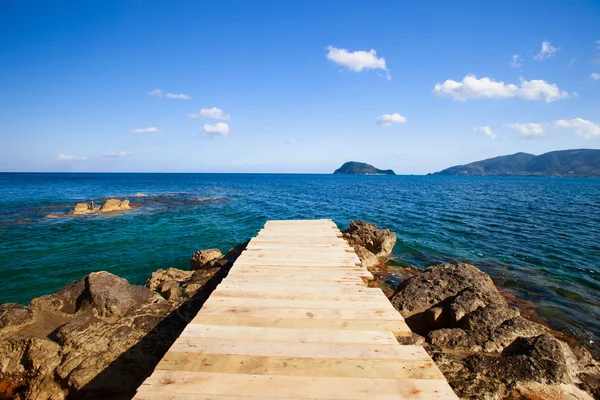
[
  {"x": 295, "y": 387},
  {"x": 277, "y": 312},
  {"x": 398, "y": 328},
  {"x": 303, "y": 350},
  {"x": 383, "y": 304},
  {"x": 245, "y": 294},
  {"x": 288, "y": 335},
  {"x": 299, "y": 366}
]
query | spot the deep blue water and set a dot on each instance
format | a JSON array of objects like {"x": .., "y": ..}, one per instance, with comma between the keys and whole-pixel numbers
[{"x": 537, "y": 236}]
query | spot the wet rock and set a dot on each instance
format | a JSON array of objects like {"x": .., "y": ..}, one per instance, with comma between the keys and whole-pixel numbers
[
  {"x": 164, "y": 275},
  {"x": 14, "y": 316},
  {"x": 115, "y": 205},
  {"x": 204, "y": 259},
  {"x": 371, "y": 244},
  {"x": 141, "y": 195}
]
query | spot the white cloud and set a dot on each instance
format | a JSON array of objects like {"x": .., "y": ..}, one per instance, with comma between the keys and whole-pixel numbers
[
  {"x": 389, "y": 119},
  {"x": 538, "y": 89},
  {"x": 150, "y": 129},
  {"x": 357, "y": 60},
  {"x": 178, "y": 96},
  {"x": 595, "y": 76},
  {"x": 116, "y": 154},
  {"x": 532, "y": 131},
  {"x": 218, "y": 129},
  {"x": 486, "y": 88},
  {"x": 572, "y": 62},
  {"x": 546, "y": 52},
  {"x": 210, "y": 113},
  {"x": 155, "y": 92},
  {"x": 583, "y": 128},
  {"x": 65, "y": 157},
  {"x": 597, "y": 44},
  {"x": 516, "y": 61},
  {"x": 486, "y": 130}
]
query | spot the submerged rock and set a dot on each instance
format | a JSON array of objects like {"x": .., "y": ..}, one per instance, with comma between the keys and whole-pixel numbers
[{"x": 141, "y": 195}]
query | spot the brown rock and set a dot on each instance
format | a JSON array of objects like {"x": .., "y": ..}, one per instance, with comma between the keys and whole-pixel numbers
[
  {"x": 141, "y": 195},
  {"x": 100, "y": 293},
  {"x": 82, "y": 208},
  {"x": 15, "y": 316},
  {"x": 204, "y": 259},
  {"x": 115, "y": 205},
  {"x": 372, "y": 245}
]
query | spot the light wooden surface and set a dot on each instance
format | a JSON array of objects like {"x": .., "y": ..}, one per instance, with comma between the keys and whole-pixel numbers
[{"x": 295, "y": 320}]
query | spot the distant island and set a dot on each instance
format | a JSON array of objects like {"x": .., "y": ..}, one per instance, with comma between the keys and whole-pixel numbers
[
  {"x": 573, "y": 163},
  {"x": 359, "y": 168}
]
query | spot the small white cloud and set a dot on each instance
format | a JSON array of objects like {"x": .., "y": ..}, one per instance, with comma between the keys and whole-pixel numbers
[
  {"x": 486, "y": 88},
  {"x": 583, "y": 128},
  {"x": 210, "y": 113},
  {"x": 155, "y": 92},
  {"x": 532, "y": 131},
  {"x": 357, "y": 60},
  {"x": 572, "y": 62},
  {"x": 389, "y": 119},
  {"x": 178, "y": 96},
  {"x": 141, "y": 131},
  {"x": 516, "y": 61},
  {"x": 595, "y": 76},
  {"x": 115, "y": 154},
  {"x": 218, "y": 129},
  {"x": 546, "y": 52},
  {"x": 486, "y": 130},
  {"x": 597, "y": 44},
  {"x": 65, "y": 157}
]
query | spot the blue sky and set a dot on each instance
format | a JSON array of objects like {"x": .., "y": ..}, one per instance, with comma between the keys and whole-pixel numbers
[{"x": 293, "y": 86}]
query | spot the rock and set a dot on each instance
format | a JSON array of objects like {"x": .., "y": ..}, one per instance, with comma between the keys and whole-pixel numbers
[
  {"x": 108, "y": 338},
  {"x": 483, "y": 346},
  {"x": 82, "y": 208},
  {"x": 15, "y": 316},
  {"x": 115, "y": 205},
  {"x": 371, "y": 244},
  {"x": 204, "y": 259},
  {"x": 538, "y": 359},
  {"x": 141, "y": 195},
  {"x": 101, "y": 293}
]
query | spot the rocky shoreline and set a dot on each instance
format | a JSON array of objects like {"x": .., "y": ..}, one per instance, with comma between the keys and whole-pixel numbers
[{"x": 99, "y": 337}]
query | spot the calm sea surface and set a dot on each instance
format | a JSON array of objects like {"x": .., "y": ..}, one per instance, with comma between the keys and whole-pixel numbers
[{"x": 539, "y": 237}]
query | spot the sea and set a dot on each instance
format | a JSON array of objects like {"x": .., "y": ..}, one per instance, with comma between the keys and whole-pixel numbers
[{"x": 538, "y": 238}]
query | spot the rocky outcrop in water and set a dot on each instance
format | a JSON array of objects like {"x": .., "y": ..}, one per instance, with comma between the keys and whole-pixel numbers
[
  {"x": 483, "y": 346},
  {"x": 203, "y": 259},
  {"x": 99, "y": 337},
  {"x": 372, "y": 245},
  {"x": 110, "y": 205}
]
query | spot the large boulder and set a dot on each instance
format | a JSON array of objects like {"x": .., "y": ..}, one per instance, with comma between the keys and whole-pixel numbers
[
  {"x": 115, "y": 205},
  {"x": 204, "y": 259},
  {"x": 101, "y": 293},
  {"x": 372, "y": 244}
]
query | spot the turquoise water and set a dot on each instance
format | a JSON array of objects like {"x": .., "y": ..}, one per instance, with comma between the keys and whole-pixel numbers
[{"x": 537, "y": 236}]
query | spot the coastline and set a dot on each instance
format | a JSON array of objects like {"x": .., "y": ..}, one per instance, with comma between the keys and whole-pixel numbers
[{"x": 55, "y": 331}]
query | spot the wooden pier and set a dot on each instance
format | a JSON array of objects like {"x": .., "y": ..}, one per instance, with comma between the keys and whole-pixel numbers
[{"x": 294, "y": 319}]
